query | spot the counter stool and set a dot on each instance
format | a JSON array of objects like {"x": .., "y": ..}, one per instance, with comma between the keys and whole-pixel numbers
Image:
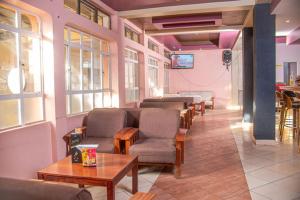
[{"x": 288, "y": 105}]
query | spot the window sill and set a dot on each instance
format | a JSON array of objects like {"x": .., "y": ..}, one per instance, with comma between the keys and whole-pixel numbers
[{"x": 26, "y": 126}]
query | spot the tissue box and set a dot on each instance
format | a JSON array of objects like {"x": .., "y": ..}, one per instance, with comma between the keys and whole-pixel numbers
[{"x": 85, "y": 154}]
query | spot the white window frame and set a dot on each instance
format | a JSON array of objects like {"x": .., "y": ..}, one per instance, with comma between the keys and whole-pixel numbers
[
  {"x": 129, "y": 60},
  {"x": 22, "y": 95},
  {"x": 153, "y": 67},
  {"x": 81, "y": 91}
]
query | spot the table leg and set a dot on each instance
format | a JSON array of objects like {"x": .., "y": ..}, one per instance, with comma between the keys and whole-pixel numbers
[
  {"x": 135, "y": 179},
  {"x": 110, "y": 191}
]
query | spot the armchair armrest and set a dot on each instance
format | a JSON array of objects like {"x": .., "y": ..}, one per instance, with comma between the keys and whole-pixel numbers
[
  {"x": 180, "y": 138},
  {"x": 67, "y": 138},
  {"x": 129, "y": 136}
]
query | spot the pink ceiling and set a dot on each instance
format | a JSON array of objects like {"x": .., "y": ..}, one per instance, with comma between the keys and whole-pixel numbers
[
  {"x": 227, "y": 39},
  {"x": 122, "y": 5}
]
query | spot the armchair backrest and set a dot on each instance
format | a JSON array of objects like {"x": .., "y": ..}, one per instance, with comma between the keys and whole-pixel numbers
[
  {"x": 105, "y": 122},
  {"x": 159, "y": 123},
  {"x": 164, "y": 104}
]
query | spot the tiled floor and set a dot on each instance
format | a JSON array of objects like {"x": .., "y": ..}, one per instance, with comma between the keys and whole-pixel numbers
[
  {"x": 212, "y": 168},
  {"x": 221, "y": 162},
  {"x": 272, "y": 171}
]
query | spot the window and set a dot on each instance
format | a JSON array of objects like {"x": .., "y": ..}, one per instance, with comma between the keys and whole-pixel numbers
[
  {"x": 167, "y": 54},
  {"x": 21, "y": 99},
  {"x": 153, "y": 76},
  {"x": 87, "y": 63},
  {"x": 131, "y": 76},
  {"x": 153, "y": 46},
  {"x": 88, "y": 10},
  {"x": 166, "y": 78},
  {"x": 130, "y": 34}
]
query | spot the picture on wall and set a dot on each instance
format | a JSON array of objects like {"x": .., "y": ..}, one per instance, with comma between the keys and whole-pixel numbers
[{"x": 182, "y": 61}]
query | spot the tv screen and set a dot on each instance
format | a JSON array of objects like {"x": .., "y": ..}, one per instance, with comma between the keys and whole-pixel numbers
[{"x": 182, "y": 61}]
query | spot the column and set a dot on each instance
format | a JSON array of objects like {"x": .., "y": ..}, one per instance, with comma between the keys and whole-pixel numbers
[
  {"x": 263, "y": 73},
  {"x": 248, "y": 74}
]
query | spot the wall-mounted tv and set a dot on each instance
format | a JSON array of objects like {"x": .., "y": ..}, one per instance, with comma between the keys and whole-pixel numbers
[{"x": 182, "y": 61}]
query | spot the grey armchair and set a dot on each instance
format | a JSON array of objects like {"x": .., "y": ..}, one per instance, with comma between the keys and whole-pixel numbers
[
  {"x": 157, "y": 141},
  {"x": 102, "y": 126}
]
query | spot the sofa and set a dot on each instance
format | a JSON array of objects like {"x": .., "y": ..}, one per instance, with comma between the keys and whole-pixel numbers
[{"x": 17, "y": 189}]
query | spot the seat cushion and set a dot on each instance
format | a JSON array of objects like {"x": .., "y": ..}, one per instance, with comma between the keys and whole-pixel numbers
[
  {"x": 151, "y": 150},
  {"x": 159, "y": 123},
  {"x": 106, "y": 145},
  {"x": 105, "y": 122},
  {"x": 15, "y": 189}
]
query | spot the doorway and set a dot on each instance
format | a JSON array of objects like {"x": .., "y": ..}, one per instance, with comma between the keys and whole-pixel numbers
[{"x": 290, "y": 72}]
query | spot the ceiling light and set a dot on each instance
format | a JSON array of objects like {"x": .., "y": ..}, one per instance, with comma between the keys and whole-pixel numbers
[{"x": 287, "y": 21}]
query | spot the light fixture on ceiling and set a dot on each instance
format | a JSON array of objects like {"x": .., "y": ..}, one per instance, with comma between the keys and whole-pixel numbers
[
  {"x": 287, "y": 21},
  {"x": 179, "y": 49}
]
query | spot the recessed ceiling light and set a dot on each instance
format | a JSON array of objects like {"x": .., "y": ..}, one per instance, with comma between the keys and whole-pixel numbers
[
  {"x": 179, "y": 49},
  {"x": 287, "y": 21}
]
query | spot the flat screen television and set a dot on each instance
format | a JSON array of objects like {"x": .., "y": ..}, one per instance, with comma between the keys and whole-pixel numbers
[{"x": 182, "y": 61}]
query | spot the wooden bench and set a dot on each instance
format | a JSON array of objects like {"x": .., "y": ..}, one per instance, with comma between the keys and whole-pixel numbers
[{"x": 142, "y": 196}]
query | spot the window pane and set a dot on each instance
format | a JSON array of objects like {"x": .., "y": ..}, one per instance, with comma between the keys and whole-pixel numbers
[
  {"x": 75, "y": 68},
  {"x": 68, "y": 104},
  {"x": 105, "y": 46},
  {"x": 105, "y": 64},
  {"x": 9, "y": 73},
  {"x": 86, "y": 41},
  {"x": 30, "y": 62},
  {"x": 103, "y": 19},
  {"x": 33, "y": 109},
  {"x": 107, "y": 99},
  {"x": 71, "y": 5},
  {"x": 67, "y": 68},
  {"x": 7, "y": 16},
  {"x": 76, "y": 103},
  {"x": 99, "y": 100},
  {"x": 87, "y": 11},
  {"x": 29, "y": 23},
  {"x": 11, "y": 116},
  {"x": 97, "y": 71},
  {"x": 75, "y": 37},
  {"x": 87, "y": 70},
  {"x": 66, "y": 35},
  {"x": 88, "y": 102}
]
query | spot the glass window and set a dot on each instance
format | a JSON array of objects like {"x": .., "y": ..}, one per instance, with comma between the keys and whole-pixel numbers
[
  {"x": 153, "y": 46},
  {"x": 7, "y": 15},
  {"x": 88, "y": 10},
  {"x": 87, "y": 61},
  {"x": 131, "y": 76},
  {"x": 132, "y": 35},
  {"x": 71, "y": 5},
  {"x": 29, "y": 23},
  {"x": 21, "y": 96},
  {"x": 153, "y": 77}
]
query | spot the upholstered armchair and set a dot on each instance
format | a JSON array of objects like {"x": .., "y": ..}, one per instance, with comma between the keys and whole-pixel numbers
[
  {"x": 102, "y": 126},
  {"x": 158, "y": 139}
]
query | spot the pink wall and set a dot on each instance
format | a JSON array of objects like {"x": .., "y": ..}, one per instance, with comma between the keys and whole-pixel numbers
[
  {"x": 286, "y": 53},
  {"x": 23, "y": 151},
  {"x": 208, "y": 74}
]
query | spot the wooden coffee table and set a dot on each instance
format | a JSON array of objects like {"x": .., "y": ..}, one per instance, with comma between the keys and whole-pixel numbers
[{"x": 111, "y": 168}]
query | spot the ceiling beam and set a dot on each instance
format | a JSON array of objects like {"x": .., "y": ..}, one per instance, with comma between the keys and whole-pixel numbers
[
  {"x": 189, "y": 9},
  {"x": 249, "y": 19},
  {"x": 179, "y": 31}
]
